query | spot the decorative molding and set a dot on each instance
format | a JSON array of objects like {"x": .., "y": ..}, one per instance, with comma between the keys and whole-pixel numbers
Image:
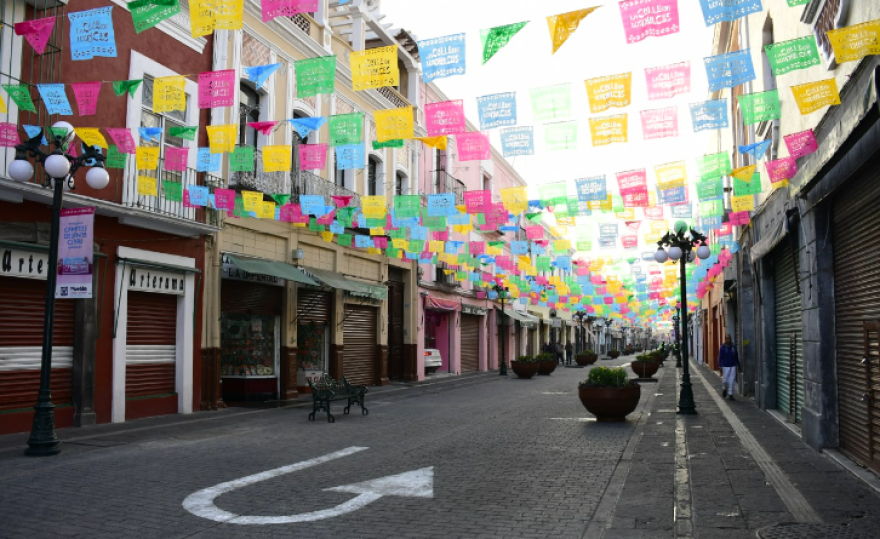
[{"x": 178, "y": 27}]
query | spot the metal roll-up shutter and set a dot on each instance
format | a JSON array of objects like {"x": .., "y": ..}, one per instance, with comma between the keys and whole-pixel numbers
[
  {"x": 23, "y": 311},
  {"x": 359, "y": 344},
  {"x": 250, "y": 298},
  {"x": 470, "y": 343},
  {"x": 312, "y": 306},
  {"x": 856, "y": 223},
  {"x": 789, "y": 334},
  {"x": 150, "y": 345}
]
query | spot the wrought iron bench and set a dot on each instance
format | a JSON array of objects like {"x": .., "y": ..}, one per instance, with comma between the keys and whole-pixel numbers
[{"x": 326, "y": 390}]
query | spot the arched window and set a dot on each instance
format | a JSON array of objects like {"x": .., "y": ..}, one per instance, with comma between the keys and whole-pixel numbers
[
  {"x": 373, "y": 177},
  {"x": 297, "y": 141},
  {"x": 249, "y": 111},
  {"x": 400, "y": 183}
]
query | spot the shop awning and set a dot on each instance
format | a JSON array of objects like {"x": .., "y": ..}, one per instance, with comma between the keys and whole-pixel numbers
[
  {"x": 440, "y": 304},
  {"x": 270, "y": 267},
  {"x": 525, "y": 320},
  {"x": 771, "y": 239},
  {"x": 355, "y": 288}
]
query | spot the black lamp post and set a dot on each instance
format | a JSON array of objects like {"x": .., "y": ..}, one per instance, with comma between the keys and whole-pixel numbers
[
  {"x": 681, "y": 246},
  {"x": 61, "y": 168},
  {"x": 502, "y": 295},
  {"x": 676, "y": 319}
]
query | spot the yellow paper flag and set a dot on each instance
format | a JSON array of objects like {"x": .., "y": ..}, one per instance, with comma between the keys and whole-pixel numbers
[
  {"x": 2, "y": 105},
  {"x": 209, "y": 15},
  {"x": 855, "y": 42},
  {"x": 744, "y": 173},
  {"x": 564, "y": 25},
  {"x": 671, "y": 175},
  {"x": 168, "y": 94},
  {"x": 277, "y": 158},
  {"x": 91, "y": 136},
  {"x": 374, "y": 207},
  {"x": 147, "y": 157},
  {"x": 779, "y": 184},
  {"x": 377, "y": 232},
  {"x": 609, "y": 91},
  {"x": 147, "y": 186},
  {"x": 436, "y": 246},
  {"x": 743, "y": 203},
  {"x": 394, "y": 124},
  {"x": 398, "y": 243},
  {"x": 515, "y": 199},
  {"x": 813, "y": 96},
  {"x": 327, "y": 236},
  {"x": 439, "y": 143},
  {"x": 252, "y": 201},
  {"x": 561, "y": 246},
  {"x": 222, "y": 138},
  {"x": 609, "y": 129},
  {"x": 267, "y": 210},
  {"x": 374, "y": 68}
]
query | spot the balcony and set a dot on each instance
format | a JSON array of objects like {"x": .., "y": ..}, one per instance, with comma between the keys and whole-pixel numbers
[
  {"x": 307, "y": 183},
  {"x": 447, "y": 183},
  {"x": 161, "y": 205}
]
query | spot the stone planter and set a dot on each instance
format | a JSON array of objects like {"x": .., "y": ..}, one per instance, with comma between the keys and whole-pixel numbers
[
  {"x": 610, "y": 404},
  {"x": 524, "y": 370},
  {"x": 645, "y": 369},
  {"x": 546, "y": 367},
  {"x": 584, "y": 360},
  {"x": 614, "y": 355}
]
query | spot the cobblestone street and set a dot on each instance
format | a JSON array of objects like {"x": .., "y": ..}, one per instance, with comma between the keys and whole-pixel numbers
[{"x": 497, "y": 458}]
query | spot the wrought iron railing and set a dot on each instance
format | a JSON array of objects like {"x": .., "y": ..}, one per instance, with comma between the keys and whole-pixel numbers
[
  {"x": 308, "y": 183},
  {"x": 392, "y": 95},
  {"x": 446, "y": 183},
  {"x": 258, "y": 180},
  {"x": 302, "y": 22},
  {"x": 162, "y": 203}
]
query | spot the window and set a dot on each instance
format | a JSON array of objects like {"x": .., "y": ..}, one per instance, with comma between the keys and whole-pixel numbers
[
  {"x": 163, "y": 120},
  {"x": 372, "y": 177},
  {"x": 297, "y": 141},
  {"x": 399, "y": 183},
  {"x": 439, "y": 166},
  {"x": 249, "y": 111}
]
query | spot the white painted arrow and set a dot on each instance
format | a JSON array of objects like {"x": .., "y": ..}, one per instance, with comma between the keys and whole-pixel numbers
[{"x": 414, "y": 484}]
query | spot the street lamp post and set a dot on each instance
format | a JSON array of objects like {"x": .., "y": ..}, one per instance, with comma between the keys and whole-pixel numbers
[
  {"x": 61, "y": 168},
  {"x": 676, "y": 319},
  {"x": 502, "y": 295},
  {"x": 679, "y": 246}
]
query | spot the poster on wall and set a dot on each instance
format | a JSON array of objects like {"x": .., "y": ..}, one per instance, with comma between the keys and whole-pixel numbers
[{"x": 76, "y": 253}]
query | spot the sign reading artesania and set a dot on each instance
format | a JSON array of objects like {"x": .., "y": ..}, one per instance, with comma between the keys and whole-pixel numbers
[
  {"x": 75, "y": 253},
  {"x": 156, "y": 281}
]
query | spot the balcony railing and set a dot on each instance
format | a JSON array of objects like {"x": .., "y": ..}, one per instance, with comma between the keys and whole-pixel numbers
[
  {"x": 307, "y": 183},
  {"x": 392, "y": 95},
  {"x": 446, "y": 183},
  {"x": 161, "y": 204}
]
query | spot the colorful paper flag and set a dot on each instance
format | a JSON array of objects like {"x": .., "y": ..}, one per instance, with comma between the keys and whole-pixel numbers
[
  {"x": 760, "y": 107},
  {"x": 729, "y": 70},
  {"x": 277, "y": 158},
  {"x": 442, "y": 57},
  {"x": 494, "y": 39},
  {"x": 374, "y": 68},
  {"x": 315, "y": 76},
  {"x": 709, "y": 115},
  {"x": 242, "y": 159},
  {"x": 497, "y": 110},
  {"x": 287, "y": 8},
  {"x": 646, "y": 18},
  {"x": 551, "y": 102},
  {"x": 312, "y": 156},
  {"x": 609, "y": 91},
  {"x": 473, "y": 147},
  {"x": 21, "y": 96},
  {"x": 146, "y": 14},
  {"x": 791, "y": 55},
  {"x": 91, "y": 34},
  {"x": 36, "y": 32},
  {"x": 813, "y": 96},
  {"x": 86, "y": 95},
  {"x": 168, "y": 94},
  {"x": 217, "y": 89},
  {"x": 346, "y": 129},
  {"x": 659, "y": 123},
  {"x": 394, "y": 124},
  {"x": 55, "y": 99},
  {"x": 91, "y": 136},
  {"x": 853, "y": 43},
  {"x": 445, "y": 118},
  {"x": 517, "y": 141},
  {"x": 146, "y": 186},
  {"x": 222, "y": 138},
  {"x": 609, "y": 129},
  {"x": 130, "y": 86},
  {"x": 668, "y": 81}
]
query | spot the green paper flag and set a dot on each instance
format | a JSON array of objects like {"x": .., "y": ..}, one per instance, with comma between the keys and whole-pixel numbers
[
  {"x": 344, "y": 240},
  {"x": 397, "y": 234},
  {"x": 584, "y": 246},
  {"x": 617, "y": 203},
  {"x": 346, "y": 129},
  {"x": 393, "y": 143},
  {"x": 795, "y": 3},
  {"x": 494, "y": 39},
  {"x": 185, "y": 132},
  {"x": 542, "y": 263},
  {"x": 760, "y": 107},
  {"x": 551, "y": 102},
  {"x": 553, "y": 194},
  {"x": 130, "y": 86},
  {"x": 375, "y": 223},
  {"x": 314, "y": 226},
  {"x": 238, "y": 211},
  {"x": 712, "y": 208},
  {"x": 561, "y": 136},
  {"x": 242, "y": 159},
  {"x": 59, "y": 133},
  {"x": 173, "y": 191},
  {"x": 714, "y": 165},
  {"x": 282, "y": 200},
  {"x": 710, "y": 189},
  {"x": 21, "y": 94},
  {"x": 315, "y": 76},
  {"x": 741, "y": 188},
  {"x": 535, "y": 218},
  {"x": 146, "y": 14},
  {"x": 407, "y": 206},
  {"x": 416, "y": 246},
  {"x": 115, "y": 158},
  {"x": 787, "y": 56},
  {"x": 345, "y": 216}
]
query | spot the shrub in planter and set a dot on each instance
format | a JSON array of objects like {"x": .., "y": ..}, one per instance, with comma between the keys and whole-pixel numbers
[
  {"x": 586, "y": 357},
  {"x": 609, "y": 394},
  {"x": 525, "y": 366},
  {"x": 645, "y": 366},
  {"x": 614, "y": 354}
]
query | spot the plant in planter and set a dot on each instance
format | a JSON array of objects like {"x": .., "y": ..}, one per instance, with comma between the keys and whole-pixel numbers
[
  {"x": 646, "y": 365},
  {"x": 546, "y": 363},
  {"x": 525, "y": 366},
  {"x": 586, "y": 357},
  {"x": 609, "y": 394},
  {"x": 614, "y": 354},
  {"x": 628, "y": 351}
]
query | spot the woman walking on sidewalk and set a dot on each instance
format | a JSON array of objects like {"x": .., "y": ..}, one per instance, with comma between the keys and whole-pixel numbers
[{"x": 728, "y": 360}]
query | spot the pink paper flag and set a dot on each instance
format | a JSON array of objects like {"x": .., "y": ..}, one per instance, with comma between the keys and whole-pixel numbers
[
  {"x": 629, "y": 241},
  {"x": 740, "y": 218},
  {"x": 446, "y": 118},
  {"x": 477, "y": 247},
  {"x": 632, "y": 181},
  {"x": 726, "y": 229},
  {"x": 637, "y": 198},
  {"x": 442, "y": 235},
  {"x": 289, "y": 213},
  {"x": 534, "y": 232},
  {"x": 225, "y": 199},
  {"x": 801, "y": 144},
  {"x": 122, "y": 138},
  {"x": 646, "y": 18},
  {"x": 263, "y": 127},
  {"x": 633, "y": 225},
  {"x": 380, "y": 242},
  {"x": 327, "y": 218},
  {"x": 216, "y": 88},
  {"x": 668, "y": 81},
  {"x": 473, "y": 147},
  {"x": 313, "y": 157},
  {"x": 36, "y": 32},
  {"x": 176, "y": 159},
  {"x": 86, "y": 94},
  {"x": 654, "y": 214},
  {"x": 287, "y": 8},
  {"x": 9, "y": 135},
  {"x": 660, "y": 123},
  {"x": 782, "y": 169},
  {"x": 186, "y": 202},
  {"x": 476, "y": 201},
  {"x": 341, "y": 201}
]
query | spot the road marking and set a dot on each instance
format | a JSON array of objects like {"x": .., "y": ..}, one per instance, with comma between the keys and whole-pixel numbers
[
  {"x": 414, "y": 484},
  {"x": 797, "y": 505}
]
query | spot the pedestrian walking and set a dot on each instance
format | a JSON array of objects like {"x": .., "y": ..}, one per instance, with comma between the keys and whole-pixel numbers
[
  {"x": 560, "y": 353},
  {"x": 569, "y": 351},
  {"x": 728, "y": 359}
]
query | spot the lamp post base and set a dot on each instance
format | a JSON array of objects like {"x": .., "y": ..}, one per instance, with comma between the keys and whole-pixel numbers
[
  {"x": 678, "y": 361},
  {"x": 43, "y": 441},
  {"x": 686, "y": 404}
]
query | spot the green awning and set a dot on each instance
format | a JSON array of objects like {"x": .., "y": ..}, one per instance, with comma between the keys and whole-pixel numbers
[
  {"x": 523, "y": 319},
  {"x": 354, "y": 288},
  {"x": 270, "y": 267}
]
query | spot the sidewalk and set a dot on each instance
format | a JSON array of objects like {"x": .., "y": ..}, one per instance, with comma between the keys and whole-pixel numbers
[{"x": 738, "y": 474}]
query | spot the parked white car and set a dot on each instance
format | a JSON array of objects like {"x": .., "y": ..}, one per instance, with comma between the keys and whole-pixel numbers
[{"x": 433, "y": 360}]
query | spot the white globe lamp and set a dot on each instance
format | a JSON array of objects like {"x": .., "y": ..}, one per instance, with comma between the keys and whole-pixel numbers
[
  {"x": 21, "y": 170},
  {"x": 675, "y": 252},
  {"x": 97, "y": 178},
  {"x": 67, "y": 138},
  {"x": 57, "y": 166},
  {"x": 704, "y": 252},
  {"x": 660, "y": 256}
]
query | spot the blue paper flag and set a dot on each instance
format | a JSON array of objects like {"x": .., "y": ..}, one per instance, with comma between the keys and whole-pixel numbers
[
  {"x": 34, "y": 130},
  {"x": 350, "y": 156},
  {"x": 681, "y": 211},
  {"x": 312, "y": 205},
  {"x": 519, "y": 247},
  {"x": 452, "y": 247},
  {"x": 730, "y": 10},
  {"x": 198, "y": 195},
  {"x": 441, "y": 205},
  {"x": 518, "y": 141},
  {"x": 207, "y": 161},
  {"x": 756, "y": 150},
  {"x": 55, "y": 99},
  {"x": 497, "y": 110},
  {"x": 363, "y": 242},
  {"x": 563, "y": 263},
  {"x": 442, "y": 57},
  {"x": 418, "y": 233},
  {"x": 150, "y": 133},
  {"x": 304, "y": 126},
  {"x": 729, "y": 70},
  {"x": 709, "y": 115},
  {"x": 260, "y": 74},
  {"x": 591, "y": 189},
  {"x": 91, "y": 34}
]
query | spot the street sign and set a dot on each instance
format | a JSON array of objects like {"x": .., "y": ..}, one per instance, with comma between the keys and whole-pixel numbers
[{"x": 414, "y": 484}]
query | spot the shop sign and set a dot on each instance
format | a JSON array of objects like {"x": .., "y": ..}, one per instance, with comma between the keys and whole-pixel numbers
[
  {"x": 23, "y": 264},
  {"x": 471, "y": 309},
  {"x": 156, "y": 281},
  {"x": 233, "y": 272},
  {"x": 556, "y": 323}
]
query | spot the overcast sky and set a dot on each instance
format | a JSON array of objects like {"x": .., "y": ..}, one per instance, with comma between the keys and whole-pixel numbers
[{"x": 598, "y": 48}]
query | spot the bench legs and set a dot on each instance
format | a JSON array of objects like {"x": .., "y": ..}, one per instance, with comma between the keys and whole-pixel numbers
[
  {"x": 321, "y": 405},
  {"x": 359, "y": 400}
]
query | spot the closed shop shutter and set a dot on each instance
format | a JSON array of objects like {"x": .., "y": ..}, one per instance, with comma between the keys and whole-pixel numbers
[
  {"x": 359, "y": 344},
  {"x": 470, "y": 343},
  {"x": 22, "y": 311},
  {"x": 856, "y": 224},
  {"x": 250, "y": 298},
  {"x": 151, "y": 345},
  {"x": 789, "y": 333},
  {"x": 312, "y": 306}
]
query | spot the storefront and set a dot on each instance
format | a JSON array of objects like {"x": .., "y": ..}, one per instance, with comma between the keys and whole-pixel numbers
[
  {"x": 314, "y": 312},
  {"x": 524, "y": 327},
  {"x": 788, "y": 332},
  {"x": 439, "y": 317},
  {"x": 473, "y": 328}
]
